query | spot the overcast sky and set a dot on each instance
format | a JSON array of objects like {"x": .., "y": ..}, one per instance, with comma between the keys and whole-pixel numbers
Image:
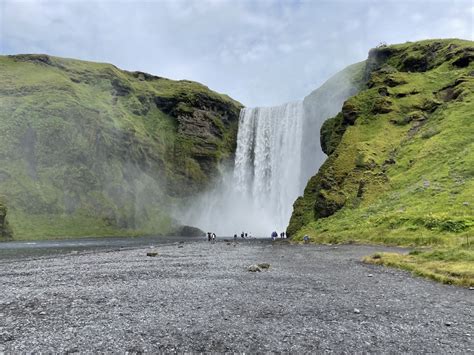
[{"x": 260, "y": 52}]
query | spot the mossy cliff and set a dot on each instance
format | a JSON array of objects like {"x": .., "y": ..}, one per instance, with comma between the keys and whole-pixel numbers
[
  {"x": 400, "y": 163},
  {"x": 89, "y": 149}
]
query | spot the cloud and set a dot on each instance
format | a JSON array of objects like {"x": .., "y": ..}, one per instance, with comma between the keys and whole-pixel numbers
[{"x": 260, "y": 52}]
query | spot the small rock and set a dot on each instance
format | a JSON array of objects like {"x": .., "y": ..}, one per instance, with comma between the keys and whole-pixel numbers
[
  {"x": 356, "y": 310},
  {"x": 180, "y": 246},
  {"x": 254, "y": 268},
  {"x": 264, "y": 265},
  {"x": 471, "y": 288},
  {"x": 370, "y": 275},
  {"x": 448, "y": 324},
  {"x": 42, "y": 313},
  {"x": 465, "y": 203},
  {"x": 151, "y": 253}
]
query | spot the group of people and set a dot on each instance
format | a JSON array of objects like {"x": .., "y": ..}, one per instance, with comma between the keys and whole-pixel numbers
[
  {"x": 211, "y": 237},
  {"x": 282, "y": 235},
  {"x": 243, "y": 236}
]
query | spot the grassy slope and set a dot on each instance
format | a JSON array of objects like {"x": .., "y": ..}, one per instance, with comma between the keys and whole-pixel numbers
[
  {"x": 401, "y": 163},
  {"x": 88, "y": 149}
]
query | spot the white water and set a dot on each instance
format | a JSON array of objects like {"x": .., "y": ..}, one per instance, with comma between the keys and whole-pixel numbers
[
  {"x": 268, "y": 161},
  {"x": 257, "y": 196}
]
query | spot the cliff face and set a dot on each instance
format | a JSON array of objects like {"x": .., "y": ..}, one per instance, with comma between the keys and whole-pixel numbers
[
  {"x": 89, "y": 149},
  {"x": 400, "y": 153},
  {"x": 321, "y": 104}
]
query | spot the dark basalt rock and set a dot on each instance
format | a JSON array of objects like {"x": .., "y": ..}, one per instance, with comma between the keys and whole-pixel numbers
[
  {"x": 35, "y": 58},
  {"x": 415, "y": 64},
  {"x": 120, "y": 88},
  {"x": 188, "y": 231},
  {"x": 466, "y": 56},
  {"x": 393, "y": 81},
  {"x": 5, "y": 230},
  {"x": 382, "y": 105},
  {"x": 349, "y": 112},
  {"x": 429, "y": 105},
  {"x": 412, "y": 116},
  {"x": 383, "y": 91},
  {"x": 145, "y": 76}
]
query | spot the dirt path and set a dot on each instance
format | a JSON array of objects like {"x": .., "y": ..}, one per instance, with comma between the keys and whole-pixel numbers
[{"x": 199, "y": 297}]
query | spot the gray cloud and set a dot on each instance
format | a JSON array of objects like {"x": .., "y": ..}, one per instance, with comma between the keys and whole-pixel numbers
[{"x": 260, "y": 52}]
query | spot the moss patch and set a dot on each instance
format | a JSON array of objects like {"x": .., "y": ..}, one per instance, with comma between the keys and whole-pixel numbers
[{"x": 449, "y": 266}]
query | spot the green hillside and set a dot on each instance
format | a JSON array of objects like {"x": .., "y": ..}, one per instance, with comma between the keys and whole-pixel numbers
[
  {"x": 89, "y": 149},
  {"x": 400, "y": 164}
]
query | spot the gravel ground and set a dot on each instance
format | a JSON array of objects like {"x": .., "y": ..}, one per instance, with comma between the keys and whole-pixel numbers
[{"x": 200, "y": 297}]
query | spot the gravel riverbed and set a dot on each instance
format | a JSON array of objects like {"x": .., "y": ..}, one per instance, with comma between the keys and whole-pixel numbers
[{"x": 200, "y": 297}]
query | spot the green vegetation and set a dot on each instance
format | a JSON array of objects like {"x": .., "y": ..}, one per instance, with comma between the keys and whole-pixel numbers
[
  {"x": 400, "y": 164},
  {"x": 449, "y": 266},
  {"x": 89, "y": 149}
]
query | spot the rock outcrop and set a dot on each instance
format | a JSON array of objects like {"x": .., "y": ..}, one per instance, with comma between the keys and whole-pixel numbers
[{"x": 5, "y": 231}]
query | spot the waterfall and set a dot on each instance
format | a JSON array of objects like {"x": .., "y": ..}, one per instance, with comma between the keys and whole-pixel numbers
[
  {"x": 278, "y": 150},
  {"x": 257, "y": 196},
  {"x": 268, "y": 161}
]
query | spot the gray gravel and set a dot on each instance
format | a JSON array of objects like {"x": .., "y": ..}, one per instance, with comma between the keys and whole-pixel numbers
[{"x": 200, "y": 297}]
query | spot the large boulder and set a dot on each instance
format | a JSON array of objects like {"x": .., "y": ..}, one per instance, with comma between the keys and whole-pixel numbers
[
  {"x": 5, "y": 230},
  {"x": 188, "y": 231}
]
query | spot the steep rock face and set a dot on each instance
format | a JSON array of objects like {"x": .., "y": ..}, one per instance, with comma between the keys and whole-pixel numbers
[
  {"x": 321, "y": 104},
  {"x": 400, "y": 151},
  {"x": 89, "y": 149}
]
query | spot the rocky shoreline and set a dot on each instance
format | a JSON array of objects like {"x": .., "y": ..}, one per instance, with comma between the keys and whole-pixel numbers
[{"x": 200, "y": 297}]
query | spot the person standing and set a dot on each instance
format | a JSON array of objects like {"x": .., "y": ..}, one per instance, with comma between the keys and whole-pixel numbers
[{"x": 274, "y": 235}]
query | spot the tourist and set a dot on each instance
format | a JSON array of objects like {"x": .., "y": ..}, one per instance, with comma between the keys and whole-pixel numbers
[
  {"x": 235, "y": 237},
  {"x": 208, "y": 236},
  {"x": 213, "y": 238},
  {"x": 274, "y": 235},
  {"x": 245, "y": 235},
  {"x": 306, "y": 239},
  {"x": 242, "y": 235}
]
